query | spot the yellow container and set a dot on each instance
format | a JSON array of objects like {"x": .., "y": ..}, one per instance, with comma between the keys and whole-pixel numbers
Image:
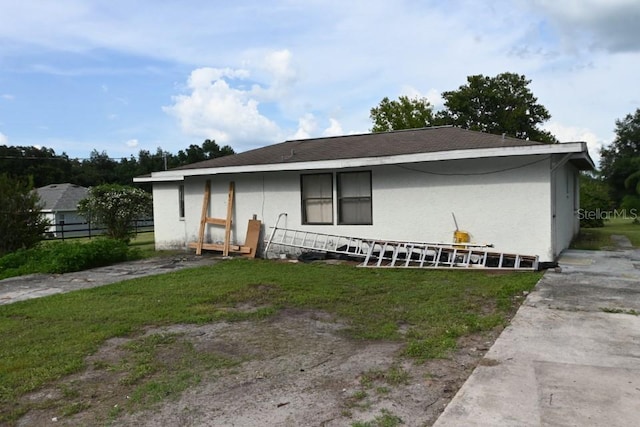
[{"x": 460, "y": 236}]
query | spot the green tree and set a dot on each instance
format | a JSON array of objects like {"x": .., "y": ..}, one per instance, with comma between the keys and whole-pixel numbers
[
  {"x": 209, "y": 150},
  {"x": 405, "y": 113},
  {"x": 116, "y": 207},
  {"x": 21, "y": 223},
  {"x": 620, "y": 161},
  {"x": 497, "y": 105},
  {"x": 594, "y": 198}
]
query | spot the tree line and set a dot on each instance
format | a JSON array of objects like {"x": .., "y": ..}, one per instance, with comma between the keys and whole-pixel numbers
[{"x": 43, "y": 166}]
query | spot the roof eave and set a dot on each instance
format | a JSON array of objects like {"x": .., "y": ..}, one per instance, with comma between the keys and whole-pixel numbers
[{"x": 579, "y": 148}]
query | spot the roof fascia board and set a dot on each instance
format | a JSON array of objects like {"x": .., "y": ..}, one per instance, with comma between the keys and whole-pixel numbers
[{"x": 527, "y": 150}]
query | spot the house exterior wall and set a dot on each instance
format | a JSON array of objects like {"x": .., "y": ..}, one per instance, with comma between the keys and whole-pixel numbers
[
  {"x": 169, "y": 228},
  {"x": 564, "y": 213},
  {"x": 503, "y": 201}
]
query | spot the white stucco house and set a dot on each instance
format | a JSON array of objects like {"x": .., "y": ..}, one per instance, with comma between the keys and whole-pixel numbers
[
  {"x": 60, "y": 207},
  {"x": 521, "y": 196}
]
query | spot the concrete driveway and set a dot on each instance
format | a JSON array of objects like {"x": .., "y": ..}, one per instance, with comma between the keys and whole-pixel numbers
[
  {"x": 571, "y": 356},
  {"x": 21, "y": 288}
]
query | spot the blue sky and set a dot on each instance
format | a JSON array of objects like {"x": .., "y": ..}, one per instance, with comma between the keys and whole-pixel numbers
[{"x": 121, "y": 76}]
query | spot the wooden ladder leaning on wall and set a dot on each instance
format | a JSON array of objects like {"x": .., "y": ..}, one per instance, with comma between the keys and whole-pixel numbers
[{"x": 252, "y": 238}]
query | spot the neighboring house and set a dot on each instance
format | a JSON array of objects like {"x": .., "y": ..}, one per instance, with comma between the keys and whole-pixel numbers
[
  {"x": 60, "y": 208},
  {"x": 521, "y": 196}
]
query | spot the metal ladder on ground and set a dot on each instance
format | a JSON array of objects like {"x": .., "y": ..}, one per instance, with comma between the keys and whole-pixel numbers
[
  {"x": 399, "y": 254},
  {"x": 318, "y": 242}
]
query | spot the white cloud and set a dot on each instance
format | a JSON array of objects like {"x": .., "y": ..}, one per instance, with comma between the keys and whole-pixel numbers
[
  {"x": 7, "y": 96},
  {"x": 307, "y": 126},
  {"x": 4, "y": 140},
  {"x": 279, "y": 64},
  {"x": 132, "y": 143},
  {"x": 214, "y": 109},
  {"x": 334, "y": 129},
  {"x": 577, "y": 134}
]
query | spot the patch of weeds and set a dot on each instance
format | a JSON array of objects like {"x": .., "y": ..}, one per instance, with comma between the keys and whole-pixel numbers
[
  {"x": 357, "y": 400},
  {"x": 385, "y": 419},
  {"x": 114, "y": 413},
  {"x": 162, "y": 387},
  {"x": 143, "y": 361},
  {"x": 620, "y": 311},
  {"x": 166, "y": 367},
  {"x": 69, "y": 392},
  {"x": 383, "y": 390},
  {"x": 138, "y": 372},
  {"x": 431, "y": 348},
  {"x": 394, "y": 376},
  {"x": 100, "y": 365},
  {"x": 75, "y": 408},
  {"x": 12, "y": 416}
]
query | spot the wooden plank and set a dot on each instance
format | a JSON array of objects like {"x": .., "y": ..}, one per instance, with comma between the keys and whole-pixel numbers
[
  {"x": 216, "y": 221},
  {"x": 253, "y": 236},
  {"x": 203, "y": 216},
  {"x": 245, "y": 250},
  {"x": 227, "y": 226}
]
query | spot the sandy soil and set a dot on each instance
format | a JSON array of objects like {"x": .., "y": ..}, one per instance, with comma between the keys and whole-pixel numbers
[{"x": 295, "y": 369}]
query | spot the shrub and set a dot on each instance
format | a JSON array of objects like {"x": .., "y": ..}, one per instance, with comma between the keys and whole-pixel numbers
[
  {"x": 115, "y": 207},
  {"x": 65, "y": 257}
]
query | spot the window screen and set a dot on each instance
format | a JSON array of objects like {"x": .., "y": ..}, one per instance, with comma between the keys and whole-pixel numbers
[
  {"x": 354, "y": 198},
  {"x": 317, "y": 198}
]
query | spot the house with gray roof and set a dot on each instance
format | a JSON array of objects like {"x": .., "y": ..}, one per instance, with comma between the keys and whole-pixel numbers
[
  {"x": 519, "y": 196},
  {"x": 60, "y": 208}
]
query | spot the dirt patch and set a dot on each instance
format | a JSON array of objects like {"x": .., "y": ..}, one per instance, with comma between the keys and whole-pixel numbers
[{"x": 295, "y": 368}]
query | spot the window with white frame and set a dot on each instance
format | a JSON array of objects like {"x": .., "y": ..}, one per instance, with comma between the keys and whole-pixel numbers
[
  {"x": 317, "y": 198},
  {"x": 354, "y": 198}
]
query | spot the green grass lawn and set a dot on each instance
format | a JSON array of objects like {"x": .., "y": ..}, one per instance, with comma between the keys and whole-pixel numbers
[
  {"x": 47, "y": 338},
  {"x": 599, "y": 238}
]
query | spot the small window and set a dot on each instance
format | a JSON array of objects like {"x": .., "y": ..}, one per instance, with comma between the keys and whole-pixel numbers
[
  {"x": 354, "y": 198},
  {"x": 181, "y": 201},
  {"x": 317, "y": 198}
]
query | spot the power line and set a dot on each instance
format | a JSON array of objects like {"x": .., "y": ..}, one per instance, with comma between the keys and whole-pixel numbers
[{"x": 67, "y": 158}]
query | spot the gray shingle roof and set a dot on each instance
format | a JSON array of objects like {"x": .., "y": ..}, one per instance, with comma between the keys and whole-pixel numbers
[
  {"x": 61, "y": 197},
  {"x": 412, "y": 141}
]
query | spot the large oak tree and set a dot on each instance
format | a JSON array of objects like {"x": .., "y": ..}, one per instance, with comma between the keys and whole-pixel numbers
[
  {"x": 503, "y": 104},
  {"x": 500, "y": 104},
  {"x": 405, "y": 113}
]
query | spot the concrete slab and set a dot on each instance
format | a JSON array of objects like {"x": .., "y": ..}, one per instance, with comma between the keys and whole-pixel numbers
[{"x": 571, "y": 355}]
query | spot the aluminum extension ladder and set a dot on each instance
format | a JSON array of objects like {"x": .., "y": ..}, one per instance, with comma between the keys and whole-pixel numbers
[{"x": 384, "y": 253}]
